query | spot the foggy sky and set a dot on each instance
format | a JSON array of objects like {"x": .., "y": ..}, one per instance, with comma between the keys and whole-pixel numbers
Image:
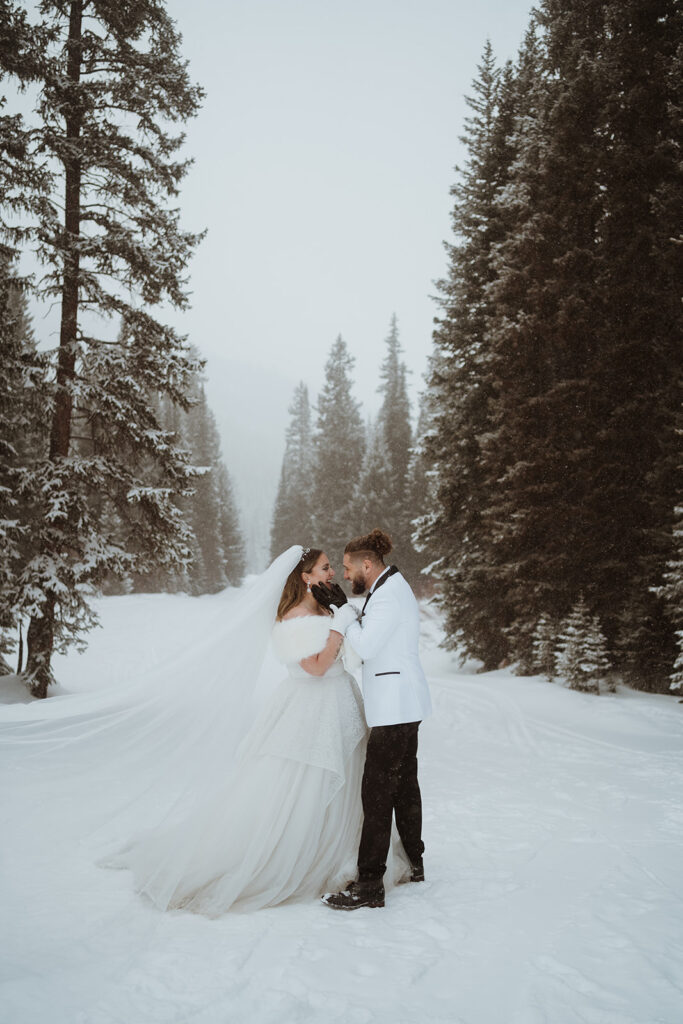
[{"x": 324, "y": 155}]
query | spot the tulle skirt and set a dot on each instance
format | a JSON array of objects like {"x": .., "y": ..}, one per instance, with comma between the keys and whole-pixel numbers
[
  {"x": 286, "y": 824},
  {"x": 275, "y": 836}
]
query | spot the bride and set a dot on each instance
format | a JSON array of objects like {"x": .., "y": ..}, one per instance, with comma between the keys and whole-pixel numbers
[
  {"x": 286, "y": 823},
  {"x": 254, "y": 796}
]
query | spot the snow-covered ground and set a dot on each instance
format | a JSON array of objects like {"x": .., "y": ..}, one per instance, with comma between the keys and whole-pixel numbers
[{"x": 554, "y": 893}]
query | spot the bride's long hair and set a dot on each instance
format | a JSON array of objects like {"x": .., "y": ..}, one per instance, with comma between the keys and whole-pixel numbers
[{"x": 294, "y": 589}]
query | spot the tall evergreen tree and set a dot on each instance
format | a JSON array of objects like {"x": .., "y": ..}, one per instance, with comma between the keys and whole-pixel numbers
[
  {"x": 215, "y": 541},
  {"x": 394, "y": 417},
  {"x": 421, "y": 491},
  {"x": 376, "y": 485},
  {"x": 293, "y": 513},
  {"x": 111, "y": 79},
  {"x": 544, "y": 645},
  {"x": 230, "y": 531},
  {"x": 457, "y": 537},
  {"x": 672, "y": 592},
  {"x": 211, "y": 509},
  {"x": 11, "y": 375},
  {"x": 394, "y": 424},
  {"x": 207, "y": 572},
  {"x": 24, "y": 182},
  {"x": 339, "y": 444},
  {"x": 22, "y": 437}
]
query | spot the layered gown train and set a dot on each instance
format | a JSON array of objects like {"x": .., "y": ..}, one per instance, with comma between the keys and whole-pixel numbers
[{"x": 286, "y": 822}]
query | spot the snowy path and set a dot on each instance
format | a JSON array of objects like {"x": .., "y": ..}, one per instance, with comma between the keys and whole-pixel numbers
[{"x": 554, "y": 832}]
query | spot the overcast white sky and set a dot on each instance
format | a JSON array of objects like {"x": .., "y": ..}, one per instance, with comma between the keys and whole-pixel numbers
[{"x": 324, "y": 156}]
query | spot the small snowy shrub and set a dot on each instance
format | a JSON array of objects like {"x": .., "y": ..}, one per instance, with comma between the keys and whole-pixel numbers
[
  {"x": 677, "y": 674},
  {"x": 582, "y": 660},
  {"x": 672, "y": 592},
  {"x": 543, "y": 643}
]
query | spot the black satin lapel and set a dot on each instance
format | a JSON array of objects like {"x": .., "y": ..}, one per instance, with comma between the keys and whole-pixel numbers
[{"x": 393, "y": 569}]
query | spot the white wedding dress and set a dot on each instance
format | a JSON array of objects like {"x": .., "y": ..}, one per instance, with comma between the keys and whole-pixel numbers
[
  {"x": 286, "y": 822},
  {"x": 218, "y": 783}
]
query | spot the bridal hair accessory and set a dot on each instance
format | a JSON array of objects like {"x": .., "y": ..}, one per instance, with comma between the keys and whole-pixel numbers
[{"x": 304, "y": 553}]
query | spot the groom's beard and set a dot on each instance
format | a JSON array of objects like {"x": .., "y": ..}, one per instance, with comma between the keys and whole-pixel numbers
[{"x": 358, "y": 585}]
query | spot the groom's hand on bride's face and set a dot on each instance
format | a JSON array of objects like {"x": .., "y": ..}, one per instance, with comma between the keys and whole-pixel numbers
[
  {"x": 328, "y": 594},
  {"x": 323, "y": 595}
]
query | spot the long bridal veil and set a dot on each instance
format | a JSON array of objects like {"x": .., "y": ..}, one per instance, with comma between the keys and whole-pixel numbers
[{"x": 104, "y": 766}]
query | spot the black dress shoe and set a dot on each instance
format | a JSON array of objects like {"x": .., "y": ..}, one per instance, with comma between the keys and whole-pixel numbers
[
  {"x": 355, "y": 896},
  {"x": 417, "y": 872}
]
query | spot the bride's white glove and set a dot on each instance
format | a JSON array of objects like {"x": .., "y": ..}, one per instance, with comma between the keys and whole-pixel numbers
[{"x": 343, "y": 617}]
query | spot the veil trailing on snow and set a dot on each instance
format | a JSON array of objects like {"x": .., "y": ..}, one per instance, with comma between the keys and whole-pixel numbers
[{"x": 152, "y": 749}]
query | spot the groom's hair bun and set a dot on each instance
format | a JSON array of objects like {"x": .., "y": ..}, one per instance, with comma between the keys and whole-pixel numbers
[{"x": 374, "y": 545}]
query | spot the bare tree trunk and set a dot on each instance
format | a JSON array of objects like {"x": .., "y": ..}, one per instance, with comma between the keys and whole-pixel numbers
[
  {"x": 20, "y": 653},
  {"x": 40, "y": 640},
  {"x": 40, "y": 635}
]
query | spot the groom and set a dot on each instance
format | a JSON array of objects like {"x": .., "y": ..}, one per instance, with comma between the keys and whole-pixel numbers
[{"x": 396, "y": 700}]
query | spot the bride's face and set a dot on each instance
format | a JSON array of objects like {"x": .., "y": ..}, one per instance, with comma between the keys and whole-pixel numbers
[{"x": 322, "y": 571}]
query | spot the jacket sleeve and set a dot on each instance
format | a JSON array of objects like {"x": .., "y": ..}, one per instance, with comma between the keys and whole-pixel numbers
[{"x": 378, "y": 624}]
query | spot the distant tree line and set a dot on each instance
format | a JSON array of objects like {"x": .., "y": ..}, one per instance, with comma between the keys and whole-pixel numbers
[
  {"x": 554, "y": 394},
  {"x": 216, "y": 544},
  {"x": 104, "y": 442},
  {"x": 342, "y": 476}
]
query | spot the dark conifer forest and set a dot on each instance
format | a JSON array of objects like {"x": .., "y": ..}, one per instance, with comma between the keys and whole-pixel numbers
[
  {"x": 542, "y": 486},
  {"x": 555, "y": 378}
]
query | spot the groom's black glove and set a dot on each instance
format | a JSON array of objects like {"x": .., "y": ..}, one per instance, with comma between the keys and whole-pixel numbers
[{"x": 328, "y": 594}]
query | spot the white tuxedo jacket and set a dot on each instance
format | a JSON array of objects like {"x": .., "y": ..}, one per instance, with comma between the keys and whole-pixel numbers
[{"x": 395, "y": 688}]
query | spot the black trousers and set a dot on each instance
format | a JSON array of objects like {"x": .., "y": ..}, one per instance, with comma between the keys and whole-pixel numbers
[{"x": 389, "y": 787}]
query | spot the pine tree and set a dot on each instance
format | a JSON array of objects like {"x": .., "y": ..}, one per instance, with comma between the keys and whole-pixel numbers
[
  {"x": 293, "y": 513},
  {"x": 24, "y": 181},
  {"x": 394, "y": 422},
  {"x": 581, "y": 658},
  {"x": 215, "y": 539},
  {"x": 339, "y": 444},
  {"x": 207, "y": 573},
  {"x": 11, "y": 372},
  {"x": 231, "y": 536},
  {"x": 671, "y": 592},
  {"x": 544, "y": 642},
  {"x": 674, "y": 597},
  {"x": 110, "y": 78},
  {"x": 455, "y": 532},
  {"x": 375, "y": 486},
  {"x": 25, "y": 174},
  {"x": 157, "y": 578},
  {"x": 420, "y": 489},
  {"x": 538, "y": 450},
  {"x": 212, "y": 511},
  {"x": 394, "y": 418},
  {"x": 23, "y": 438}
]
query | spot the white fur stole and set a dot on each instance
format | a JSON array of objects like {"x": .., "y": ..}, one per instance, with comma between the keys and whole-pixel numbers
[{"x": 298, "y": 638}]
